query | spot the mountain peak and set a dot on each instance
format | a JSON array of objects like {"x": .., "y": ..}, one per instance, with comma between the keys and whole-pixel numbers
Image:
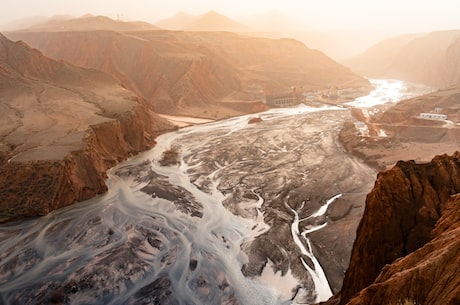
[
  {"x": 213, "y": 13},
  {"x": 214, "y": 21}
]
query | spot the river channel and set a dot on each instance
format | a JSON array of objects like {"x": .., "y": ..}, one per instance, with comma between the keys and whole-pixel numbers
[{"x": 247, "y": 216}]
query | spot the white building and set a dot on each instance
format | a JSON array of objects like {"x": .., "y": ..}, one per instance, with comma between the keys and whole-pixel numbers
[{"x": 433, "y": 116}]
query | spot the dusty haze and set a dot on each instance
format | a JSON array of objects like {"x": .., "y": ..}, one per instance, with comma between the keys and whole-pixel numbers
[
  {"x": 390, "y": 16},
  {"x": 341, "y": 29}
]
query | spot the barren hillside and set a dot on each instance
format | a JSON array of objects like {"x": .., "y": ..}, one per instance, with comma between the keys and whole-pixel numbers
[
  {"x": 61, "y": 127},
  {"x": 431, "y": 59},
  {"x": 207, "y": 74}
]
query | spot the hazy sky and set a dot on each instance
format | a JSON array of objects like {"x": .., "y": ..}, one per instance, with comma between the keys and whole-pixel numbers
[{"x": 398, "y": 16}]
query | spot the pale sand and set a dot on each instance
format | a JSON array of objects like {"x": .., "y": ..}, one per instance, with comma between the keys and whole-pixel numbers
[{"x": 183, "y": 121}]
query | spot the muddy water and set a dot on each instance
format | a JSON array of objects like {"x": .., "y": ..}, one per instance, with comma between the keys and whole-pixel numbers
[{"x": 182, "y": 234}]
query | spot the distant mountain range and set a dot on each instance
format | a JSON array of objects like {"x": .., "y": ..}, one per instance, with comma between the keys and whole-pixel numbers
[
  {"x": 200, "y": 73},
  {"x": 432, "y": 59},
  {"x": 339, "y": 45},
  {"x": 26, "y": 23},
  {"x": 89, "y": 22},
  {"x": 271, "y": 22}
]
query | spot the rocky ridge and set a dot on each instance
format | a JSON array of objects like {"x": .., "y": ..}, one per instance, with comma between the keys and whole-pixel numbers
[
  {"x": 62, "y": 128},
  {"x": 90, "y": 22},
  {"x": 202, "y": 74},
  {"x": 407, "y": 242}
]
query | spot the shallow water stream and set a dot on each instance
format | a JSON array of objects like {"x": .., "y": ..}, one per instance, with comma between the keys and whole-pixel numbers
[{"x": 185, "y": 234}]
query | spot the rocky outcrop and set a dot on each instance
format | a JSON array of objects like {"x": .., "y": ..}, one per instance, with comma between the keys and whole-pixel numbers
[
  {"x": 38, "y": 187},
  {"x": 408, "y": 239},
  {"x": 429, "y": 275},
  {"x": 62, "y": 128}
]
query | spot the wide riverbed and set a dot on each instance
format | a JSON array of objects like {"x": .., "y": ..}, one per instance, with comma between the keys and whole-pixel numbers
[{"x": 249, "y": 216}]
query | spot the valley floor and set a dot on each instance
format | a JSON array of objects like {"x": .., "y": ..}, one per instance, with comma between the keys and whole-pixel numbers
[{"x": 383, "y": 145}]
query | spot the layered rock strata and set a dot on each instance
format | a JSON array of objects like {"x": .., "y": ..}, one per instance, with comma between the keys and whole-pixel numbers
[
  {"x": 61, "y": 128},
  {"x": 37, "y": 187},
  {"x": 407, "y": 243}
]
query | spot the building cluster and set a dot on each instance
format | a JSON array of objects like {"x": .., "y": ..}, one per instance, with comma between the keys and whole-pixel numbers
[
  {"x": 284, "y": 100},
  {"x": 297, "y": 96},
  {"x": 292, "y": 98}
]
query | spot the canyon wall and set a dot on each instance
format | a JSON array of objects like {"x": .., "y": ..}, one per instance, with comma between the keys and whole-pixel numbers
[
  {"x": 407, "y": 242},
  {"x": 37, "y": 187},
  {"x": 61, "y": 128}
]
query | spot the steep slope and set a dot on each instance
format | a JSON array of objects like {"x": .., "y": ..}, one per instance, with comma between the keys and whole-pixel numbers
[
  {"x": 430, "y": 59},
  {"x": 408, "y": 239},
  {"x": 428, "y": 276},
  {"x": 207, "y": 74},
  {"x": 61, "y": 127},
  {"x": 377, "y": 58}
]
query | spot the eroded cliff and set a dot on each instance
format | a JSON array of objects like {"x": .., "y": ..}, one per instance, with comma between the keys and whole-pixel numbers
[
  {"x": 407, "y": 242},
  {"x": 61, "y": 128}
]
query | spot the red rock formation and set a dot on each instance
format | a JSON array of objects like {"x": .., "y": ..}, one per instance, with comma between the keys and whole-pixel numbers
[
  {"x": 38, "y": 187},
  {"x": 429, "y": 275},
  {"x": 404, "y": 249},
  {"x": 254, "y": 120},
  {"x": 62, "y": 128}
]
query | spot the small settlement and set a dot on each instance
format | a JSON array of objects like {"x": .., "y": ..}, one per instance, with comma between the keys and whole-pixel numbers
[
  {"x": 434, "y": 115},
  {"x": 297, "y": 96}
]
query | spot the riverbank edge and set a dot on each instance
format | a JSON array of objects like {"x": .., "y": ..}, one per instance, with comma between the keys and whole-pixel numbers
[{"x": 37, "y": 187}]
